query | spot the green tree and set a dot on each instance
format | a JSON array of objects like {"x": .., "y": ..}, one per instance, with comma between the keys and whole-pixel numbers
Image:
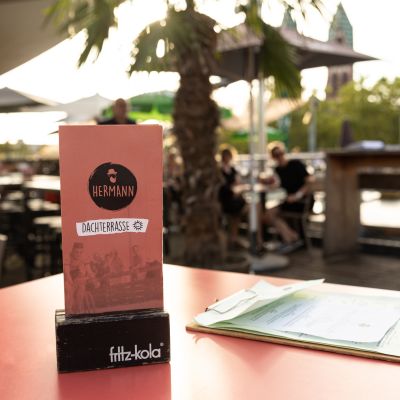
[
  {"x": 373, "y": 113},
  {"x": 190, "y": 43}
]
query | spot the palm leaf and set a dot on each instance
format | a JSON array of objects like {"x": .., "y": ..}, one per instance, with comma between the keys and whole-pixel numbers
[
  {"x": 95, "y": 17},
  {"x": 277, "y": 59},
  {"x": 303, "y": 5},
  {"x": 184, "y": 33}
]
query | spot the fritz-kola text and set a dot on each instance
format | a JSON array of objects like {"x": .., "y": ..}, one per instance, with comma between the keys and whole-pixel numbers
[{"x": 118, "y": 353}]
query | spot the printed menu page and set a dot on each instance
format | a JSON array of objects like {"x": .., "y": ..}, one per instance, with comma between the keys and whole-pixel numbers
[{"x": 111, "y": 204}]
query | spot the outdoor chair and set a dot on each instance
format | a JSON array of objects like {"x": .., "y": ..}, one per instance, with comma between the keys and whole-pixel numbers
[
  {"x": 3, "y": 243},
  {"x": 299, "y": 220},
  {"x": 44, "y": 252}
]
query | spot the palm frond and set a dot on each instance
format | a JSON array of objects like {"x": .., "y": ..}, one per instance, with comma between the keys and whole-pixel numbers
[
  {"x": 184, "y": 33},
  {"x": 303, "y": 5},
  {"x": 277, "y": 59},
  {"x": 251, "y": 9},
  {"x": 95, "y": 17}
]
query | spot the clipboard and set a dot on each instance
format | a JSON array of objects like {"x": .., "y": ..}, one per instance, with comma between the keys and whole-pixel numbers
[{"x": 295, "y": 343}]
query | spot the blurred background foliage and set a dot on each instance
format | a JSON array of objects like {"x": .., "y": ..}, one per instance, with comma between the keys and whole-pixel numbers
[{"x": 374, "y": 114}]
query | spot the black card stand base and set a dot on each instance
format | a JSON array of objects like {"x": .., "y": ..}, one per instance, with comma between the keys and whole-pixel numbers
[{"x": 111, "y": 340}]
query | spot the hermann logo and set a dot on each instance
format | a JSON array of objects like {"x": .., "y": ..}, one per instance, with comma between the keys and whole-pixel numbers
[
  {"x": 119, "y": 354},
  {"x": 112, "y": 186}
]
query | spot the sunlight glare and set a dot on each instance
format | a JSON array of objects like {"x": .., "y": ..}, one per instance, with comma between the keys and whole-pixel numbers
[{"x": 160, "y": 50}]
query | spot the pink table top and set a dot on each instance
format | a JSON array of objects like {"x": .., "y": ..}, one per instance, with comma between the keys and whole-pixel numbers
[{"x": 202, "y": 366}]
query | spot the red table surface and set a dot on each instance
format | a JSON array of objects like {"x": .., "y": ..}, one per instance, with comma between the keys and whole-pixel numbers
[{"x": 202, "y": 366}]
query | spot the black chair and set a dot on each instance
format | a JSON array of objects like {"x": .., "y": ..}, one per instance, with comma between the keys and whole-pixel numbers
[
  {"x": 3, "y": 244},
  {"x": 299, "y": 220}
]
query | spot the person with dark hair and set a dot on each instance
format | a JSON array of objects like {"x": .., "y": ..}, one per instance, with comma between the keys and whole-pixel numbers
[
  {"x": 295, "y": 179},
  {"x": 233, "y": 204},
  {"x": 173, "y": 177},
  {"x": 120, "y": 114}
]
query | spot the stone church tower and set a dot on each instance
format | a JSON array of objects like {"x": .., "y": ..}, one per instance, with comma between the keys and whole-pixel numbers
[
  {"x": 340, "y": 31},
  {"x": 288, "y": 22}
]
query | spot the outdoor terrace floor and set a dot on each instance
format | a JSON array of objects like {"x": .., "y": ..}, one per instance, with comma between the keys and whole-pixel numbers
[{"x": 363, "y": 270}]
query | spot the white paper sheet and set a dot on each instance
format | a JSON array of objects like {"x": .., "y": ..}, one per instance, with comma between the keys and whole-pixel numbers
[
  {"x": 391, "y": 342},
  {"x": 340, "y": 317},
  {"x": 261, "y": 294}
]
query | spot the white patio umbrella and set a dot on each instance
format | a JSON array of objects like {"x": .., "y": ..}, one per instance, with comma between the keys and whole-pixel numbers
[
  {"x": 23, "y": 35},
  {"x": 82, "y": 110},
  {"x": 13, "y": 100}
]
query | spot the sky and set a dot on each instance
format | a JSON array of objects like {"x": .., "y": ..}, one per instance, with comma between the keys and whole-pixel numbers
[{"x": 54, "y": 74}]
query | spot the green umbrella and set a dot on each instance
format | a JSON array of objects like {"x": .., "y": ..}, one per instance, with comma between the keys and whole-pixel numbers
[
  {"x": 156, "y": 105},
  {"x": 271, "y": 133}
]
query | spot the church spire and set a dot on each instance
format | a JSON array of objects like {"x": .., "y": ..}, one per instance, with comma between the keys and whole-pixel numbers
[
  {"x": 288, "y": 22},
  {"x": 341, "y": 29}
]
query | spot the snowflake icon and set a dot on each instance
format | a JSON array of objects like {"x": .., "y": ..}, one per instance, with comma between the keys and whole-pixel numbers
[{"x": 137, "y": 225}]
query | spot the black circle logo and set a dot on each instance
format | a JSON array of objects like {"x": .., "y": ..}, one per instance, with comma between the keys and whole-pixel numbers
[{"x": 112, "y": 186}]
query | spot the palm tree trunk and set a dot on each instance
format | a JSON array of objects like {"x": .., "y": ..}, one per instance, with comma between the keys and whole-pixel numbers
[{"x": 196, "y": 117}]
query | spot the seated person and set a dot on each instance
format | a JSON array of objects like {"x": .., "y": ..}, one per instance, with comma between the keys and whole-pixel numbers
[
  {"x": 173, "y": 176},
  {"x": 233, "y": 204},
  {"x": 295, "y": 179}
]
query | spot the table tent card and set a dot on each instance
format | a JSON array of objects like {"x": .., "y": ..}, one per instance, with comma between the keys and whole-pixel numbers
[{"x": 111, "y": 204}]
